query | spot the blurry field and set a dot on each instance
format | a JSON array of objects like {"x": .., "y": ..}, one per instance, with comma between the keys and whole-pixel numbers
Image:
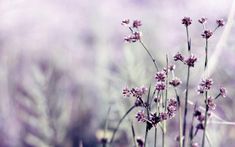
[{"x": 64, "y": 63}]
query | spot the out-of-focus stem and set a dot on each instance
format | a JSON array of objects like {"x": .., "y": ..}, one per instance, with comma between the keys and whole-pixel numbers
[
  {"x": 106, "y": 126},
  {"x": 119, "y": 123},
  {"x": 205, "y": 123}
]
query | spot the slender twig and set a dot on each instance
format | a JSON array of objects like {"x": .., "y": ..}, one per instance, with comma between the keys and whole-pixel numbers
[
  {"x": 187, "y": 90},
  {"x": 180, "y": 112},
  {"x": 148, "y": 116},
  {"x": 188, "y": 40},
  {"x": 153, "y": 60},
  {"x": 191, "y": 134},
  {"x": 206, "y": 52},
  {"x": 166, "y": 92},
  {"x": 205, "y": 123},
  {"x": 155, "y": 137},
  {"x": 146, "y": 49},
  {"x": 186, "y": 107},
  {"x": 119, "y": 123},
  {"x": 133, "y": 134}
]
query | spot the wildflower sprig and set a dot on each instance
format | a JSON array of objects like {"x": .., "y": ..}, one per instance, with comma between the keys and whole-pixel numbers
[{"x": 155, "y": 107}]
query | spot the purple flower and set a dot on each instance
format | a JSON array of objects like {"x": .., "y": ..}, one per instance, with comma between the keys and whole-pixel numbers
[
  {"x": 171, "y": 67},
  {"x": 186, "y": 21},
  {"x": 191, "y": 60},
  {"x": 160, "y": 76},
  {"x": 125, "y": 21},
  {"x": 175, "y": 82},
  {"x": 136, "y": 23},
  {"x": 126, "y": 92},
  {"x": 163, "y": 116},
  {"x": 133, "y": 38},
  {"x": 223, "y": 92},
  {"x": 160, "y": 86},
  {"x": 220, "y": 22},
  {"x": 178, "y": 57},
  {"x": 172, "y": 107},
  {"x": 206, "y": 84},
  {"x": 140, "y": 116},
  {"x": 207, "y": 34},
  {"x": 138, "y": 91},
  {"x": 211, "y": 105},
  {"x": 202, "y": 20}
]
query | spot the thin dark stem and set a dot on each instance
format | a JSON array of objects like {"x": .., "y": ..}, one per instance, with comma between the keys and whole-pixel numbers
[
  {"x": 133, "y": 134},
  {"x": 165, "y": 103},
  {"x": 119, "y": 123},
  {"x": 147, "y": 109},
  {"x": 188, "y": 40},
  {"x": 206, "y": 52},
  {"x": 186, "y": 107},
  {"x": 187, "y": 90},
  {"x": 155, "y": 137},
  {"x": 191, "y": 134},
  {"x": 146, "y": 49},
  {"x": 205, "y": 124}
]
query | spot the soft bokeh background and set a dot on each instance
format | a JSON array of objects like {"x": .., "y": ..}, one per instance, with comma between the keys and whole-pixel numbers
[{"x": 64, "y": 63}]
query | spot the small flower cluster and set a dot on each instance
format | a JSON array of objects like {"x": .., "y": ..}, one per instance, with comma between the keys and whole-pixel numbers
[
  {"x": 187, "y": 21},
  {"x": 190, "y": 61},
  {"x": 172, "y": 107},
  {"x": 205, "y": 85},
  {"x": 208, "y": 33},
  {"x": 175, "y": 82},
  {"x": 134, "y": 28},
  {"x": 137, "y": 92}
]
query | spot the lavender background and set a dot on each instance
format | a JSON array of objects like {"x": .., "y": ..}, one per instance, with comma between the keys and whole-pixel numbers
[{"x": 63, "y": 63}]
